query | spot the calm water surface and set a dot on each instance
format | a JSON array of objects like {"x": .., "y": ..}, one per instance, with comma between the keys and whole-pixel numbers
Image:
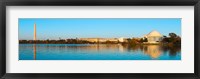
[{"x": 97, "y": 52}]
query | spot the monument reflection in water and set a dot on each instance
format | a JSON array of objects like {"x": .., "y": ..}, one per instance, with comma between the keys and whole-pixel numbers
[
  {"x": 34, "y": 51},
  {"x": 97, "y": 52}
]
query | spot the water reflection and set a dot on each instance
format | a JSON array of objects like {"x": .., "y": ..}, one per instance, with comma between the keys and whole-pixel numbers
[
  {"x": 34, "y": 51},
  {"x": 153, "y": 50},
  {"x": 99, "y": 51}
]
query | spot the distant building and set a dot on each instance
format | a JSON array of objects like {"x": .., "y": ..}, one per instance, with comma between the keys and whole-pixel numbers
[
  {"x": 121, "y": 39},
  {"x": 103, "y": 39},
  {"x": 89, "y": 39},
  {"x": 153, "y": 37}
]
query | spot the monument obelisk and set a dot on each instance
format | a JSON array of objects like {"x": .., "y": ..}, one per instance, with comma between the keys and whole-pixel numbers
[{"x": 34, "y": 37}]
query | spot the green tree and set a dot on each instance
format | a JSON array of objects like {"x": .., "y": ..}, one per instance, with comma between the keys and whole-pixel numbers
[
  {"x": 172, "y": 35},
  {"x": 172, "y": 40}
]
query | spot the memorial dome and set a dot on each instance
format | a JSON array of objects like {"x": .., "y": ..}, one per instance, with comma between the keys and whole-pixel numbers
[{"x": 154, "y": 34}]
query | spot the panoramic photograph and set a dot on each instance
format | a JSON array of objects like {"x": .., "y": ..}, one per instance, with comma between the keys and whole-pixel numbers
[{"x": 99, "y": 38}]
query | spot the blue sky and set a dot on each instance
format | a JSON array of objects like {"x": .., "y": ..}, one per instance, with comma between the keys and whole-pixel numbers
[{"x": 53, "y": 28}]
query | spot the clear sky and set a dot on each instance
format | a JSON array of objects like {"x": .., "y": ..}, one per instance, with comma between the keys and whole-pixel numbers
[{"x": 53, "y": 28}]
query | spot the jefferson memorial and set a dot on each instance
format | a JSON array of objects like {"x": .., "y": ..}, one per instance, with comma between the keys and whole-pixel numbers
[{"x": 153, "y": 37}]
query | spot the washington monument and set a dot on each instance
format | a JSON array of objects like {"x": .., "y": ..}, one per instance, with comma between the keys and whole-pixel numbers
[{"x": 34, "y": 37}]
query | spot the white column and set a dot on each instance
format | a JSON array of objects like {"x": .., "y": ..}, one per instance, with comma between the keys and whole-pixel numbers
[{"x": 34, "y": 38}]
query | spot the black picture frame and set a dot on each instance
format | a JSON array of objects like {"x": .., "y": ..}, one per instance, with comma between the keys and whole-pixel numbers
[{"x": 4, "y": 3}]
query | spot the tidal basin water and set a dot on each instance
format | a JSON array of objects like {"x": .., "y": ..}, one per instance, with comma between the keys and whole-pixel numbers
[{"x": 97, "y": 52}]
